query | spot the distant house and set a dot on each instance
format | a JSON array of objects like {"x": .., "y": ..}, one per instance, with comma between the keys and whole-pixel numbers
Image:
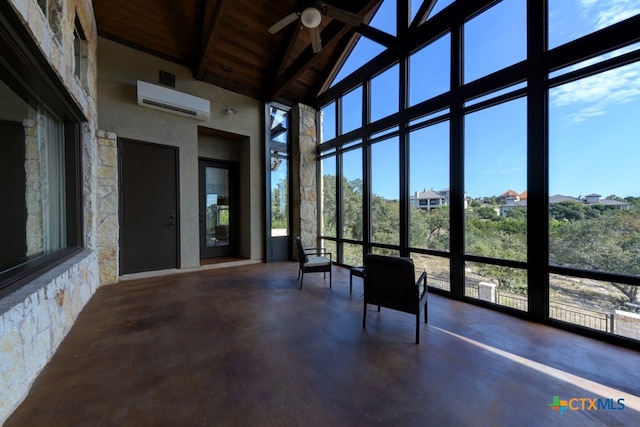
[
  {"x": 429, "y": 200},
  {"x": 590, "y": 200},
  {"x": 511, "y": 200}
]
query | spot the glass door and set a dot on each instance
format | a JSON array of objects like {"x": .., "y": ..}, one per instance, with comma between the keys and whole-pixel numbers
[{"x": 218, "y": 199}]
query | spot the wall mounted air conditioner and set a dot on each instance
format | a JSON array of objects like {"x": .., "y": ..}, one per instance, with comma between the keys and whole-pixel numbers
[{"x": 172, "y": 101}]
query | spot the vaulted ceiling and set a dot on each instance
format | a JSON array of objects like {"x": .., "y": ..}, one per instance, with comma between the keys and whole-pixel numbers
[{"x": 227, "y": 42}]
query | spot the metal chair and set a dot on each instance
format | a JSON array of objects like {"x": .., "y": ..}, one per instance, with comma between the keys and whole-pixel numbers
[
  {"x": 390, "y": 282},
  {"x": 313, "y": 260}
]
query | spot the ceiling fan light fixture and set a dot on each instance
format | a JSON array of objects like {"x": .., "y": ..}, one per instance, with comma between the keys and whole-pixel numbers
[{"x": 311, "y": 17}]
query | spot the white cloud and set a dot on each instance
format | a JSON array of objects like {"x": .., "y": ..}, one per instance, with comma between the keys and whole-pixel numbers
[
  {"x": 592, "y": 96},
  {"x": 603, "y": 13}
]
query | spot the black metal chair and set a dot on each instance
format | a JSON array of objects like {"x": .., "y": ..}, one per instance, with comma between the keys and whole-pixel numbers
[
  {"x": 313, "y": 260},
  {"x": 390, "y": 282}
]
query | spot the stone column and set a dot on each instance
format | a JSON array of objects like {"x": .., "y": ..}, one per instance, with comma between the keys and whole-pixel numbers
[
  {"x": 107, "y": 208},
  {"x": 303, "y": 182},
  {"x": 487, "y": 291},
  {"x": 626, "y": 324}
]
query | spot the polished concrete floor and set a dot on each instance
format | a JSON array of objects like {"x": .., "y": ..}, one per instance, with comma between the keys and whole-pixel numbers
[{"x": 243, "y": 346}]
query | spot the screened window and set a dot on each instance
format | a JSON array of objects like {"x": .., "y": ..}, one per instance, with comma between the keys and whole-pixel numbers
[
  {"x": 352, "y": 188},
  {"x": 279, "y": 164},
  {"x": 492, "y": 170},
  {"x": 429, "y": 176},
  {"x": 430, "y": 70},
  {"x": 495, "y": 39},
  {"x": 594, "y": 210},
  {"x": 328, "y": 194},
  {"x": 352, "y": 110},
  {"x": 385, "y": 200},
  {"x": 328, "y": 122},
  {"x": 385, "y": 94},
  {"x": 495, "y": 178},
  {"x": 572, "y": 19}
]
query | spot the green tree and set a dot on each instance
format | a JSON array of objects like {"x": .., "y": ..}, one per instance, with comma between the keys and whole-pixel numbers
[
  {"x": 430, "y": 230},
  {"x": 352, "y": 208},
  {"x": 329, "y": 205},
  {"x": 609, "y": 242}
]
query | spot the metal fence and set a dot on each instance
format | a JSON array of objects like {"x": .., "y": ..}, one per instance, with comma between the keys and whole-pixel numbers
[
  {"x": 564, "y": 312},
  {"x": 519, "y": 302},
  {"x": 579, "y": 316}
]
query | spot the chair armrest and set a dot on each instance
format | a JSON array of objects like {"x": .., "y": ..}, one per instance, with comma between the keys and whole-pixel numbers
[{"x": 316, "y": 251}]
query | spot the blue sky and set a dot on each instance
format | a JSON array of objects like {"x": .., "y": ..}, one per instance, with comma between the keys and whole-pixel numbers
[{"x": 594, "y": 123}]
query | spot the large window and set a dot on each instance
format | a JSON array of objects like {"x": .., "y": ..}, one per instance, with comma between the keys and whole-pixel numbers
[
  {"x": 430, "y": 70},
  {"x": 279, "y": 163},
  {"x": 594, "y": 208},
  {"x": 328, "y": 197},
  {"x": 429, "y": 184},
  {"x": 352, "y": 110},
  {"x": 385, "y": 94},
  {"x": 496, "y": 181},
  {"x": 39, "y": 218},
  {"x": 385, "y": 187},
  {"x": 505, "y": 167},
  {"x": 572, "y": 19},
  {"x": 352, "y": 194},
  {"x": 495, "y": 39}
]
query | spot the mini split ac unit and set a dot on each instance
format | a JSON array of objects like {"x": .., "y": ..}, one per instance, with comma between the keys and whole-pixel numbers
[{"x": 172, "y": 101}]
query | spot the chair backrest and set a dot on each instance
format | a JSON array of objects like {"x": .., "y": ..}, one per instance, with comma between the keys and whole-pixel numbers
[
  {"x": 390, "y": 278},
  {"x": 302, "y": 257}
]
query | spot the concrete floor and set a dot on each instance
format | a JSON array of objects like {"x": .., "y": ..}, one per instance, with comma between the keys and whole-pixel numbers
[{"x": 243, "y": 346}]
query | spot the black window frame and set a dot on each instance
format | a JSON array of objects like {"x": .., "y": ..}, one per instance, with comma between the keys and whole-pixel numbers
[
  {"x": 30, "y": 75},
  {"x": 534, "y": 73}
]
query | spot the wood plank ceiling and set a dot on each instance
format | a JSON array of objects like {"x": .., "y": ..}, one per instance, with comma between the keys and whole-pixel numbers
[{"x": 226, "y": 42}]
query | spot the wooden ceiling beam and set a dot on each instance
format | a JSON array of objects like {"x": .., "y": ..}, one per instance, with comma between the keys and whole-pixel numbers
[
  {"x": 330, "y": 35},
  {"x": 292, "y": 35},
  {"x": 348, "y": 44},
  {"x": 214, "y": 14}
]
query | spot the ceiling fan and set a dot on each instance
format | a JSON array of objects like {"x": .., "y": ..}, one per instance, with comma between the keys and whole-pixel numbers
[{"x": 310, "y": 14}]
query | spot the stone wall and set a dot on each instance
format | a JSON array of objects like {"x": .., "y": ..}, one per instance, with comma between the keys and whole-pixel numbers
[
  {"x": 35, "y": 318},
  {"x": 303, "y": 184}
]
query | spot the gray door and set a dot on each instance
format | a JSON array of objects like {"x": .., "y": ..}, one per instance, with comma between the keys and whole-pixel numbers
[{"x": 149, "y": 206}]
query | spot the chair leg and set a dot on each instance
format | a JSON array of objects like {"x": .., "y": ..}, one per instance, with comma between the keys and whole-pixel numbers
[
  {"x": 418, "y": 328},
  {"x": 425, "y": 313},
  {"x": 330, "y": 277},
  {"x": 364, "y": 317},
  {"x": 301, "y": 279}
]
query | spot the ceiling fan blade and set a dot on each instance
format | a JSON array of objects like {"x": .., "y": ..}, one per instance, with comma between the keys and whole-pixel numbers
[
  {"x": 342, "y": 15},
  {"x": 283, "y": 23},
  {"x": 316, "y": 43}
]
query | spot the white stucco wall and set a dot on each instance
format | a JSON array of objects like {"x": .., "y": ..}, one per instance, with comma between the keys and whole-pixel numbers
[{"x": 119, "y": 69}]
